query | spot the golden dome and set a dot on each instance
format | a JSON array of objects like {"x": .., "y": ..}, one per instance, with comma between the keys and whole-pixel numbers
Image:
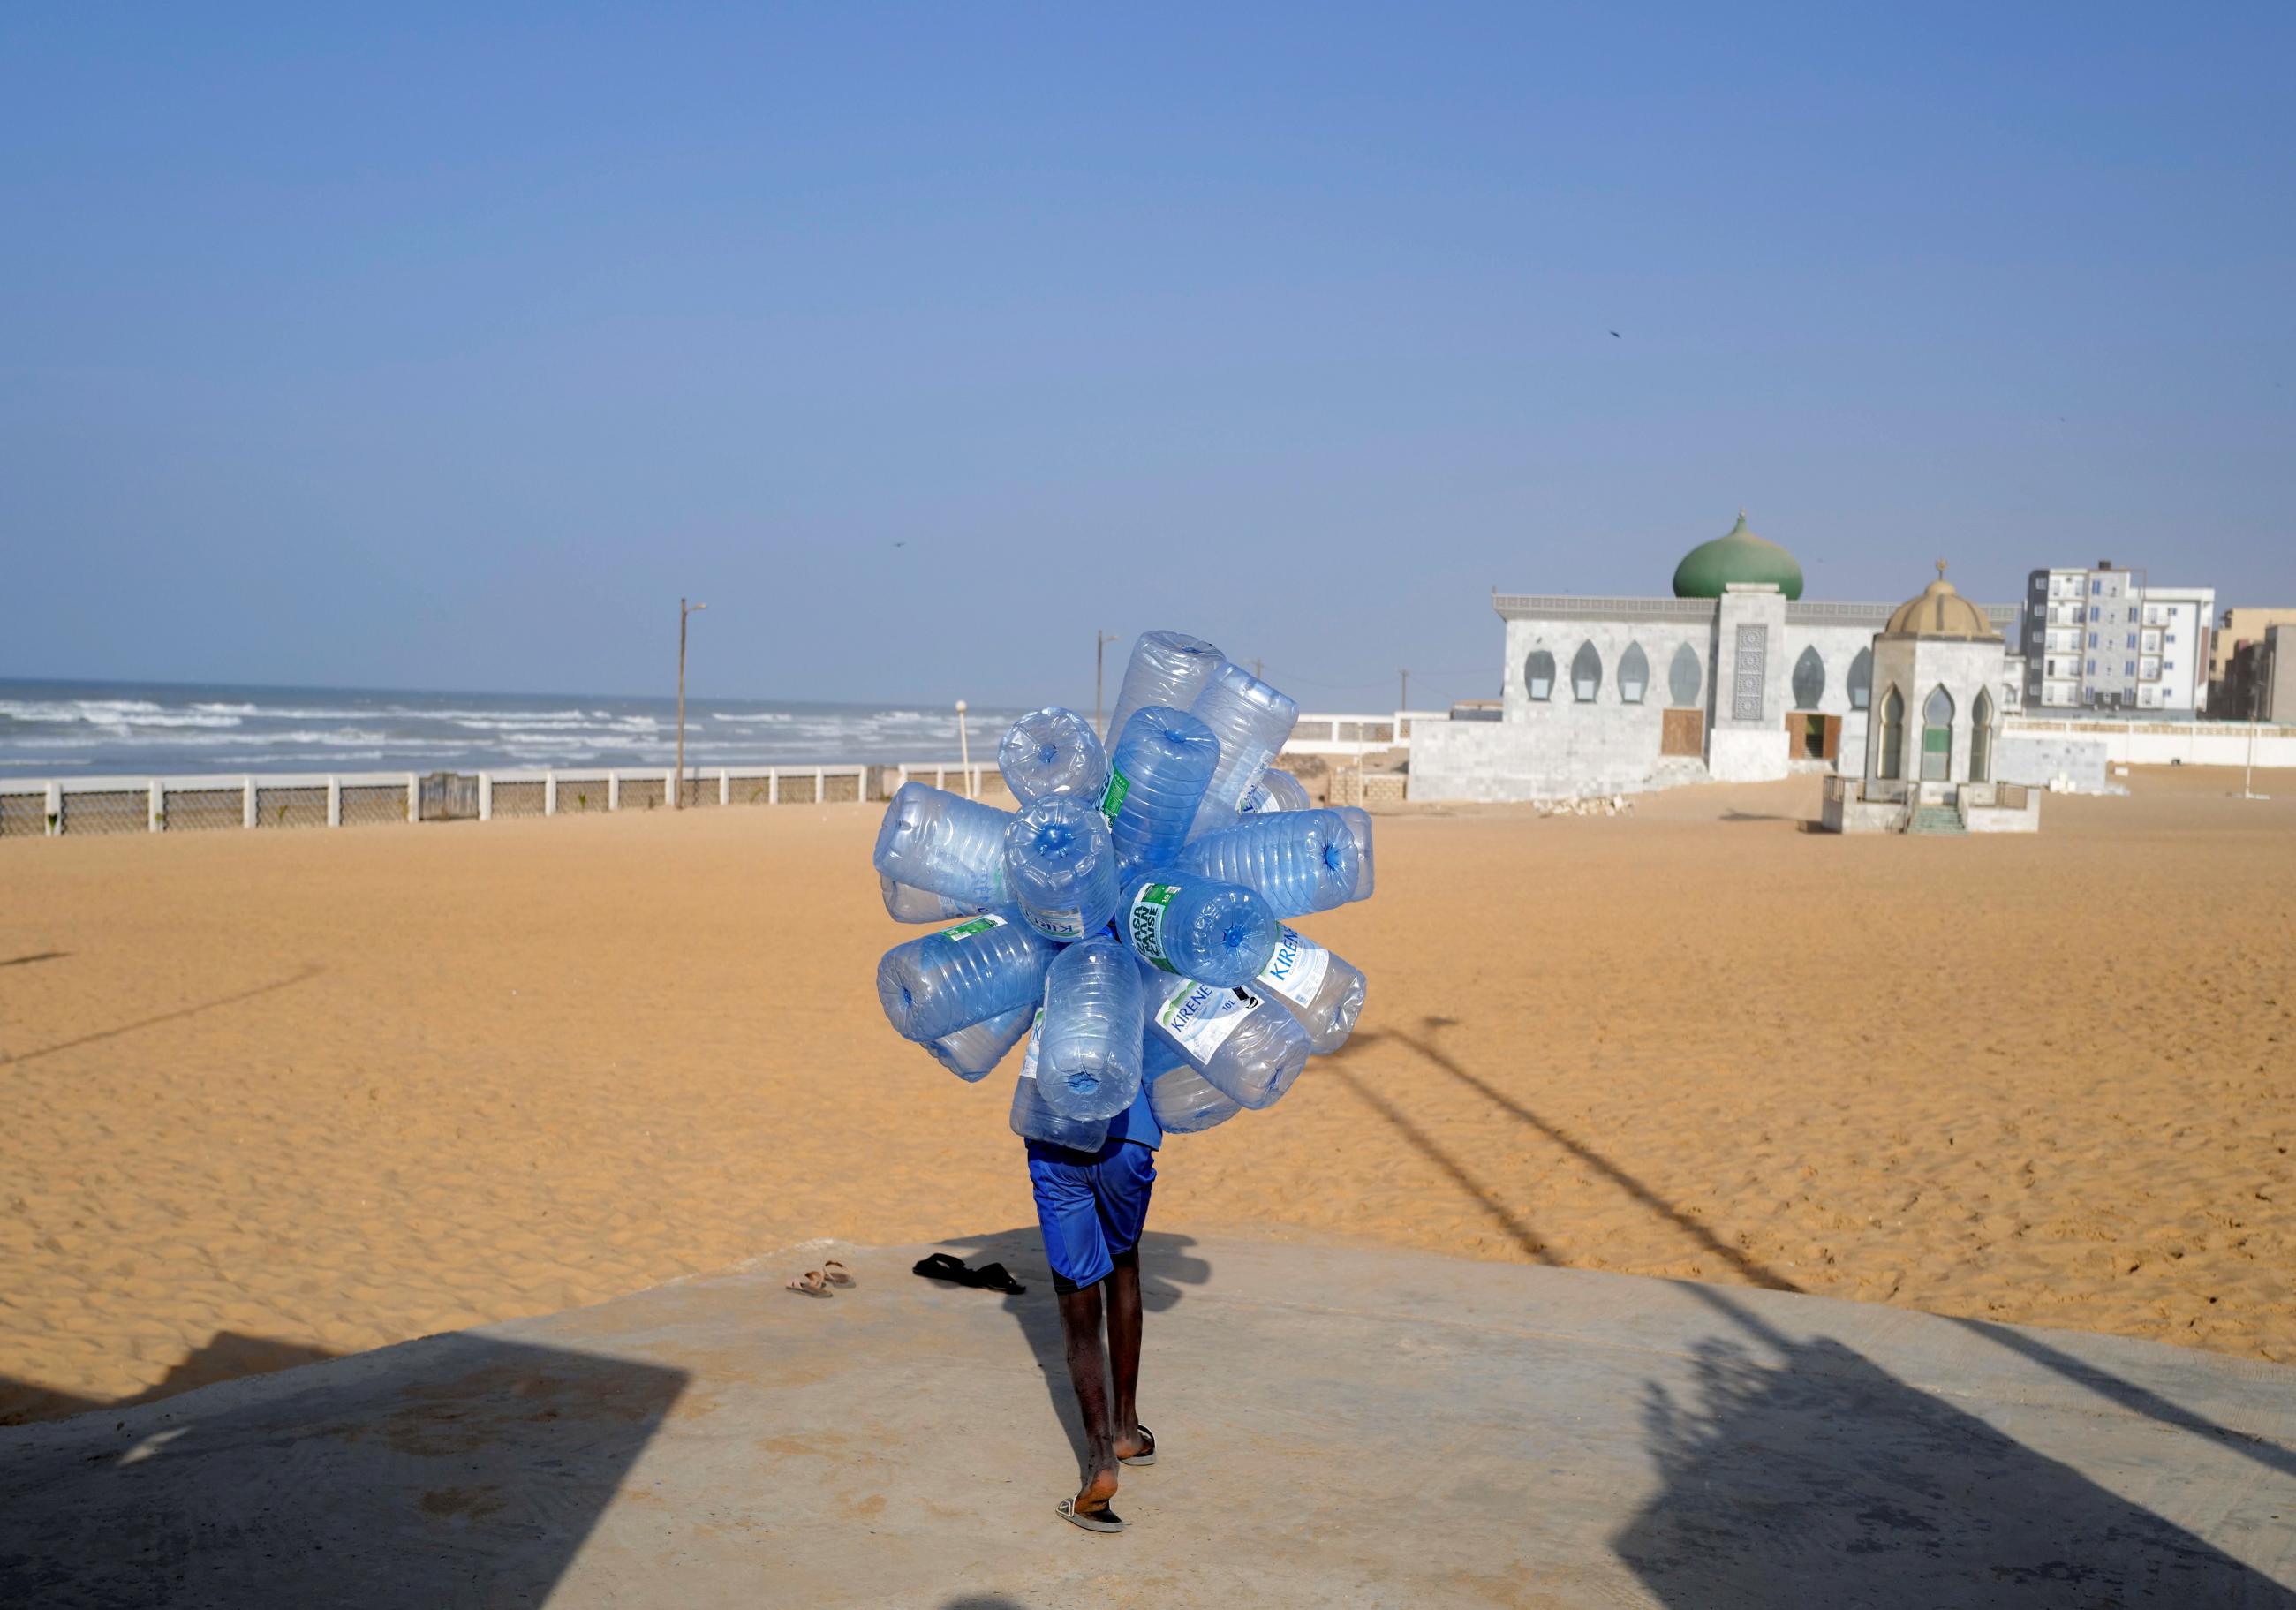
[{"x": 1941, "y": 612}]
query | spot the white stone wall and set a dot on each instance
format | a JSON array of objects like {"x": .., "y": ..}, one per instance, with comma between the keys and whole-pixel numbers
[{"x": 1500, "y": 760}]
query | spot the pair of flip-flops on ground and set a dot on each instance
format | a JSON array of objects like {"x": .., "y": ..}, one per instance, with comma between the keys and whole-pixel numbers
[
  {"x": 817, "y": 1282},
  {"x": 1104, "y": 1519}
]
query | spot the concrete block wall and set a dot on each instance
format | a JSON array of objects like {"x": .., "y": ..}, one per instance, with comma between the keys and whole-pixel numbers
[{"x": 2038, "y": 758}]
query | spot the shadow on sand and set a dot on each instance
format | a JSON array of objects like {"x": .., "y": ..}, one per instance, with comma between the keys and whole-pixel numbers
[
  {"x": 1166, "y": 1264},
  {"x": 458, "y": 1470},
  {"x": 1800, "y": 1472},
  {"x": 1803, "y": 1472}
]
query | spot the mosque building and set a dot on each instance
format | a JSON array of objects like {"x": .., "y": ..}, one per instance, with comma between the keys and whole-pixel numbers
[{"x": 1735, "y": 678}]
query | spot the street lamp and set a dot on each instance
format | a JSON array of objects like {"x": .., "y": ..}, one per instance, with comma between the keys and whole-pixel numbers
[
  {"x": 1099, "y": 661},
  {"x": 678, "y": 795},
  {"x": 964, "y": 751}
]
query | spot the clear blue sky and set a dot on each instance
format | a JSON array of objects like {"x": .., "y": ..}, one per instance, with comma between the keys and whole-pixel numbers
[{"x": 415, "y": 350}]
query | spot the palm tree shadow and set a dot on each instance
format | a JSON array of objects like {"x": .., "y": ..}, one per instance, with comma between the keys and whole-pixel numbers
[{"x": 1166, "y": 1264}]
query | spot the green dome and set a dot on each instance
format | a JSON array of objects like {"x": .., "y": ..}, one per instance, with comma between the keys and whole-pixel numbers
[{"x": 1738, "y": 557}]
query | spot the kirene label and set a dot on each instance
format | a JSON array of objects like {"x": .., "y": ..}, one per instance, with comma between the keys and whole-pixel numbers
[
  {"x": 1111, "y": 797},
  {"x": 978, "y": 924},
  {"x": 1202, "y": 1017},
  {"x": 1066, "y": 924},
  {"x": 1297, "y": 970},
  {"x": 1146, "y": 923}
]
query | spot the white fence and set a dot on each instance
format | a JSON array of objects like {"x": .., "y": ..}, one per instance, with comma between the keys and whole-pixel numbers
[
  {"x": 85, "y": 805},
  {"x": 97, "y": 804},
  {"x": 2174, "y": 742}
]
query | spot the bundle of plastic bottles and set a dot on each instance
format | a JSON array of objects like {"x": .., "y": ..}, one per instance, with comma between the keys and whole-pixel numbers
[{"x": 1132, "y": 918}]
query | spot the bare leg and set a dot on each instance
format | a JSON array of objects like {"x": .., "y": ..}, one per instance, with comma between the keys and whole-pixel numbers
[
  {"x": 1124, "y": 1352},
  {"x": 1088, "y": 1370}
]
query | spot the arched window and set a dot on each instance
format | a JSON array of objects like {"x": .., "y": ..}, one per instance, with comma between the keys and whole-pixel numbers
[
  {"x": 1808, "y": 679},
  {"x": 1684, "y": 678},
  {"x": 1634, "y": 673},
  {"x": 1980, "y": 740},
  {"x": 1586, "y": 674},
  {"x": 1890, "y": 763},
  {"x": 1539, "y": 675},
  {"x": 1936, "y": 736},
  {"x": 1861, "y": 679}
]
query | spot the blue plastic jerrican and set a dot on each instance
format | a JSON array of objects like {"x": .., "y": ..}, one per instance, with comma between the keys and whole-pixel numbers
[
  {"x": 1297, "y": 861},
  {"x": 1089, "y": 1055},
  {"x": 1033, "y": 1120},
  {"x": 1051, "y": 752},
  {"x": 1320, "y": 988},
  {"x": 1184, "y": 1101},
  {"x": 1167, "y": 668},
  {"x": 944, "y": 843},
  {"x": 972, "y": 1052},
  {"x": 941, "y": 982},
  {"x": 1059, "y": 864},
  {"x": 1278, "y": 790},
  {"x": 1197, "y": 927},
  {"x": 1164, "y": 760},
  {"x": 1247, "y": 1047},
  {"x": 1358, "y": 821},
  {"x": 904, "y": 904},
  {"x": 1252, "y": 721}
]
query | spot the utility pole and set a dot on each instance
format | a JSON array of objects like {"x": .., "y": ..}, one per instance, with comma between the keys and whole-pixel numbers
[
  {"x": 1099, "y": 662},
  {"x": 678, "y": 802},
  {"x": 1402, "y": 695},
  {"x": 964, "y": 750},
  {"x": 1256, "y": 676}
]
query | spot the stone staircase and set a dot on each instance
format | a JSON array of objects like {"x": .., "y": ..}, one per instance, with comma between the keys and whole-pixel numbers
[{"x": 1935, "y": 818}]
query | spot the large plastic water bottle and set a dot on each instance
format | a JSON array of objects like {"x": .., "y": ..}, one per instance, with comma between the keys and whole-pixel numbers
[
  {"x": 938, "y": 984},
  {"x": 1197, "y": 927},
  {"x": 1277, "y": 790},
  {"x": 1358, "y": 821},
  {"x": 1088, "y": 1055},
  {"x": 1050, "y": 753},
  {"x": 1167, "y": 668},
  {"x": 944, "y": 843},
  {"x": 1164, "y": 760},
  {"x": 1033, "y": 1120},
  {"x": 1059, "y": 864},
  {"x": 1184, "y": 1101},
  {"x": 973, "y": 1051},
  {"x": 1252, "y": 721},
  {"x": 1323, "y": 990},
  {"x": 905, "y": 904},
  {"x": 1297, "y": 861},
  {"x": 1247, "y": 1047}
]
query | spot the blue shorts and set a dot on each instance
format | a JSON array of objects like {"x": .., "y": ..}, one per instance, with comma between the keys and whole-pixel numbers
[{"x": 1090, "y": 1205}]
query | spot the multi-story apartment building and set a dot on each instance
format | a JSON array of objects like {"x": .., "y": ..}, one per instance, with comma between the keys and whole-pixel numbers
[
  {"x": 2102, "y": 638},
  {"x": 2238, "y": 624}
]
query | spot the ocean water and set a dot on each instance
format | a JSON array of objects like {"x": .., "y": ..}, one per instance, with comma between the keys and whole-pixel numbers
[{"x": 70, "y": 729}]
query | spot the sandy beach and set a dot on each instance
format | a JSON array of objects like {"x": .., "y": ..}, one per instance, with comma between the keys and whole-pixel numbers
[{"x": 274, "y": 1096}]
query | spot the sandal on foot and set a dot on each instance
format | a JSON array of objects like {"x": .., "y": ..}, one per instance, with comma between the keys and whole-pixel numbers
[
  {"x": 1103, "y": 1519},
  {"x": 1147, "y": 1457},
  {"x": 836, "y": 1273},
  {"x": 813, "y": 1283}
]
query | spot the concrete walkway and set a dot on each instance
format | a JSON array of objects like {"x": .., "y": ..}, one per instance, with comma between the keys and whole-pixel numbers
[{"x": 1339, "y": 1428}]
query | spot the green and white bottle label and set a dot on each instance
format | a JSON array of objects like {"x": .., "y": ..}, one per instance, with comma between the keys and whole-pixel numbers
[
  {"x": 1146, "y": 924},
  {"x": 978, "y": 924},
  {"x": 1202, "y": 1017},
  {"x": 1297, "y": 970},
  {"x": 1111, "y": 797},
  {"x": 1028, "y": 1057}
]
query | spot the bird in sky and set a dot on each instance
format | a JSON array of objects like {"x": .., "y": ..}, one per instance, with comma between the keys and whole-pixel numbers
[{"x": 1616, "y": 336}]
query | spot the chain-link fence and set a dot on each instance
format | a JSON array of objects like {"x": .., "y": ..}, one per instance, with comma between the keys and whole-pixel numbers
[
  {"x": 109, "y": 810},
  {"x": 296, "y": 807},
  {"x": 694, "y": 792},
  {"x": 579, "y": 795},
  {"x": 373, "y": 804},
  {"x": 23, "y": 816},
  {"x": 643, "y": 793},
  {"x": 517, "y": 800},
  {"x": 196, "y": 810}
]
